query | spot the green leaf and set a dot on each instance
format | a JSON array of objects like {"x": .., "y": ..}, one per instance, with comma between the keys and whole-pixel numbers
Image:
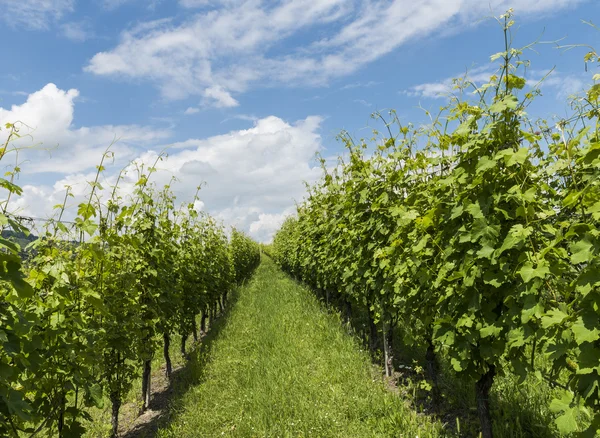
[
  {"x": 481, "y": 229},
  {"x": 518, "y": 157},
  {"x": 594, "y": 92},
  {"x": 588, "y": 358},
  {"x": 516, "y": 236},
  {"x": 86, "y": 211},
  {"x": 493, "y": 278},
  {"x": 465, "y": 321},
  {"x": 11, "y": 246},
  {"x": 531, "y": 307},
  {"x": 12, "y": 188},
  {"x": 463, "y": 129},
  {"x": 457, "y": 365},
  {"x": 553, "y": 317},
  {"x": 475, "y": 211},
  {"x": 490, "y": 330},
  {"x": 587, "y": 281},
  {"x": 516, "y": 337},
  {"x": 567, "y": 421},
  {"x": 485, "y": 163},
  {"x": 94, "y": 396},
  {"x": 572, "y": 198},
  {"x": 583, "y": 332},
  {"x": 486, "y": 252},
  {"x": 581, "y": 251},
  {"x": 498, "y": 55},
  {"x": 17, "y": 405},
  {"x": 528, "y": 272},
  {"x": 23, "y": 289},
  {"x": 73, "y": 430},
  {"x": 507, "y": 102}
]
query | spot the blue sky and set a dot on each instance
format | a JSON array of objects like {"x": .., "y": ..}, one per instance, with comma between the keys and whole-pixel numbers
[{"x": 246, "y": 91}]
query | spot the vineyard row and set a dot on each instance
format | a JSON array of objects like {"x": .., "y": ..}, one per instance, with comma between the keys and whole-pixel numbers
[
  {"x": 478, "y": 235},
  {"x": 84, "y": 307}
]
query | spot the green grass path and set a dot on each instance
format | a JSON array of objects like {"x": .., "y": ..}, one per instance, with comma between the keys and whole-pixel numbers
[{"x": 283, "y": 367}]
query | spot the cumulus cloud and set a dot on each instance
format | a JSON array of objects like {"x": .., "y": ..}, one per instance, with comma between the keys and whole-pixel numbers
[
  {"x": 34, "y": 14},
  {"x": 227, "y": 45},
  {"x": 267, "y": 225},
  {"x": 220, "y": 97},
  {"x": 250, "y": 178},
  {"x": 45, "y": 121}
]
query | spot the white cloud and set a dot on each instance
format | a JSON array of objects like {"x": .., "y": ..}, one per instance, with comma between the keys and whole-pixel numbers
[
  {"x": 219, "y": 97},
  {"x": 245, "y": 117},
  {"x": 227, "y": 46},
  {"x": 250, "y": 172},
  {"x": 46, "y": 121},
  {"x": 198, "y": 205},
  {"x": 14, "y": 93},
  {"x": 432, "y": 90},
  {"x": 267, "y": 225},
  {"x": 250, "y": 178},
  {"x": 34, "y": 14},
  {"x": 253, "y": 175}
]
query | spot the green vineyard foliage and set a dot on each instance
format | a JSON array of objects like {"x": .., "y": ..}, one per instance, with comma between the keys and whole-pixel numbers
[
  {"x": 84, "y": 307},
  {"x": 478, "y": 232}
]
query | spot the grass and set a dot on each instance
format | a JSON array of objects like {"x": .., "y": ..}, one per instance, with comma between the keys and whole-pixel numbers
[
  {"x": 282, "y": 366},
  {"x": 519, "y": 409}
]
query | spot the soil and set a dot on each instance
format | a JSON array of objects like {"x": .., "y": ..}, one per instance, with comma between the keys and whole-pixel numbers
[
  {"x": 136, "y": 424},
  {"x": 146, "y": 424}
]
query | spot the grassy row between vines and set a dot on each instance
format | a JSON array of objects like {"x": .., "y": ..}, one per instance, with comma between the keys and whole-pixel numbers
[
  {"x": 520, "y": 409},
  {"x": 283, "y": 366}
]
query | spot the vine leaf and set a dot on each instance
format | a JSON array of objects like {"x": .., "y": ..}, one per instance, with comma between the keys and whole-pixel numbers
[
  {"x": 581, "y": 251},
  {"x": 553, "y": 317},
  {"x": 528, "y": 272},
  {"x": 585, "y": 332},
  {"x": 567, "y": 421}
]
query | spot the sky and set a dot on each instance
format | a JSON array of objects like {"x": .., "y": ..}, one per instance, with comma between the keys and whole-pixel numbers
[{"x": 243, "y": 94}]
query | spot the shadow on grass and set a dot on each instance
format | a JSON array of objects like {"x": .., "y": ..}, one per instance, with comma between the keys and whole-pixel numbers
[{"x": 169, "y": 401}]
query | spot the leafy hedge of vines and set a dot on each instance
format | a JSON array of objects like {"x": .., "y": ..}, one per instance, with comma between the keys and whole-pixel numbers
[
  {"x": 479, "y": 231},
  {"x": 80, "y": 318}
]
